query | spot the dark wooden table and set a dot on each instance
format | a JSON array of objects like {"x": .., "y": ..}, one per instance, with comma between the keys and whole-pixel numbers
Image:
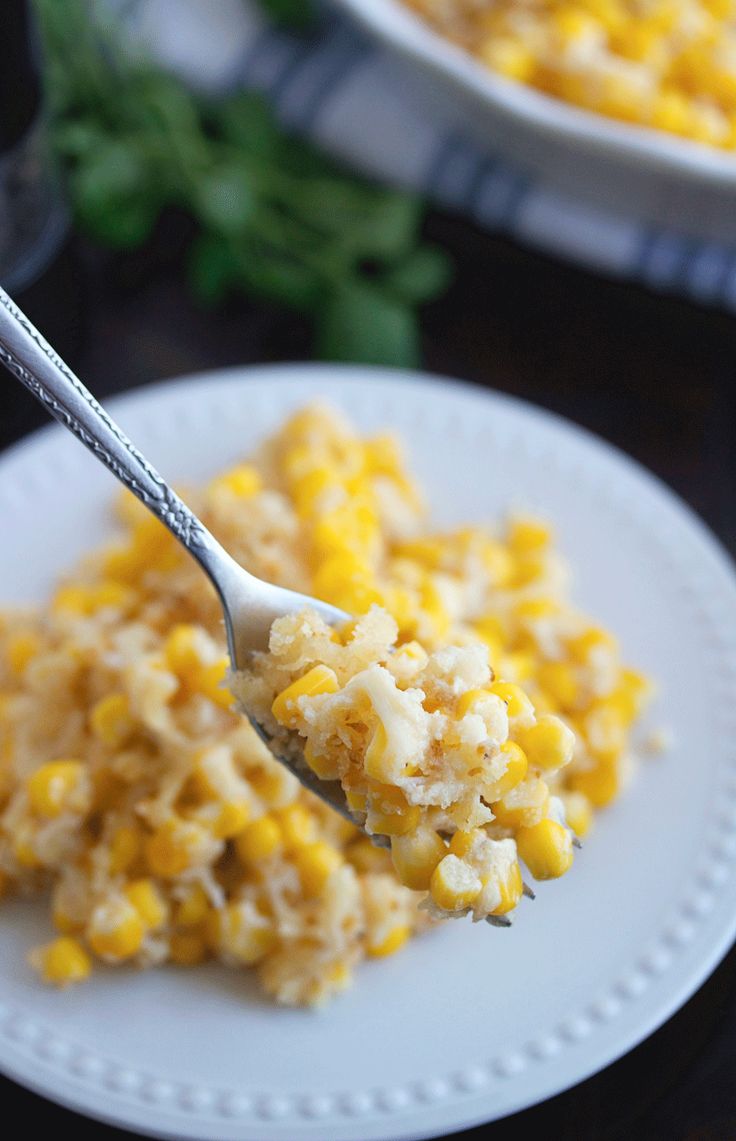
[{"x": 655, "y": 376}]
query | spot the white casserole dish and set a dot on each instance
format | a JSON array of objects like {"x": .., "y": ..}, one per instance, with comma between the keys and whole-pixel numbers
[{"x": 633, "y": 170}]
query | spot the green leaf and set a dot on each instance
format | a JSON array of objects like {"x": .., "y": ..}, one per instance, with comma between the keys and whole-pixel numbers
[
  {"x": 389, "y": 229},
  {"x": 212, "y": 268},
  {"x": 295, "y": 14},
  {"x": 423, "y": 275},
  {"x": 125, "y": 227},
  {"x": 224, "y": 200},
  {"x": 275, "y": 277},
  {"x": 113, "y": 195},
  {"x": 111, "y": 170},
  {"x": 371, "y": 223},
  {"x": 359, "y": 323},
  {"x": 246, "y": 121},
  {"x": 78, "y": 137}
]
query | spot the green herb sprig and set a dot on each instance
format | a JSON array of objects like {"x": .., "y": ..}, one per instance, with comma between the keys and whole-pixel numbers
[{"x": 274, "y": 218}]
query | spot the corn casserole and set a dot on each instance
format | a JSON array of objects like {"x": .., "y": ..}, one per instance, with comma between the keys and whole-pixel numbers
[
  {"x": 665, "y": 64},
  {"x": 159, "y": 826}
]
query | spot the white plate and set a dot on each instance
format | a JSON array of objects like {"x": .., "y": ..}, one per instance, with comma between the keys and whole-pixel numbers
[
  {"x": 469, "y": 1023},
  {"x": 618, "y": 166}
]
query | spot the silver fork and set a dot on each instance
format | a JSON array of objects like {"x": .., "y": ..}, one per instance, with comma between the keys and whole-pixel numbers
[{"x": 249, "y": 604}]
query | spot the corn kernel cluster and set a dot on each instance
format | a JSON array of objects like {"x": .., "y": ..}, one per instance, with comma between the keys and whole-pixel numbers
[
  {"x": 664, "y": 64},
  {"x": 160, "y": 827},
  {"x": 433, "y": 753}
]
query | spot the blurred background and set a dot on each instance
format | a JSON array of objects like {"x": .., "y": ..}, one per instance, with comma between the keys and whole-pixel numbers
[{"x": 189, "y": 184}]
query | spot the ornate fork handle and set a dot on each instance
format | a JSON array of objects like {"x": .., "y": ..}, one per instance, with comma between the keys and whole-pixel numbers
[
  {"x": 32, "y": 360},
  {"x": 249, "y": 604}
]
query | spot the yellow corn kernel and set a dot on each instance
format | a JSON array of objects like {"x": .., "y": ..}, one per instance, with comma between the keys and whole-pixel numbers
[
  {"x": 528, "y": 567},
  {"x": 559, "y": 680},
  {"x": 591, "y": 642},
  {"x": 299, "y": 459},
  {"x": 307, "y": 490},
  {"x": 169, "y": 849},
  {"x": 150, "y": 546},
  {"x": 324, "y": 767},
  {"x": 124, "y": 846},
  {"x": 260, "y": 841},
  {"x": 549, "y": 744},
  {"x": 523, "y": 806},
  {"x": 720, "y": 9},
  {"x": 389, "y": 945},
  {"x": 112, "y": 595},
  {"x": 180, "y": 651},
  {"x": 390, "y": 814},
  {"x": 20, "y": 649},
  {"x": 187, "y": 948},
  {"x": 379, "y": 761},
  {"x": 148, "y": 902},
  {"x": 298, "y": 826},
  {"x": 231, "y": 819},
  {"x": 546, "y": 849},
  {"x": 275, "y": 785},
  {"x": 530, "y": 609},
  {"x": 111, "y": 720},
  {"x": 315, "y": 863},
  {"x": 517, "y": 702},
  {"x": 59, "y": 786},
  {"x": 517, "y": 666},
  {"x": 672, "y": 112},
  {"x": 63, "y": 922},
  {"x": 343, "y": 544},
  {"x": 62, "y": 962},
  {"x": 401, "y": 604},
  {"x": 193, "y": 908},
  {"x": 605, "y": 730},
  {"x": 636, "y": 41},
  {"x": 393, "y": 824},
  {"x": 497, "y": 563},
  {"x": 511, "y": 889},
  {"x": 416, "y": 855},
  {"x": 353, "y": 592},
  {"x": 86, "y": 600},
  {"x": 229, "y": 932},
  {"x": 468, "y": 699},
  {"x": 357, "y": 802},
  {"x": 311, "y": 423},
  {"x": 630, "y": 695},
  {"x": 462, "y": 842},
  {"x": 517, "y": 766},
  {"x": 454, "y": 884},
  {"x": 116, "y": 930},
  {"x": 578, "y": 812},
  {"x": 429, "y": 552},
  {"x": 382, "y": 455},
  {"x": 24, "y": 848},
  {"x": 209, "y": 681},
  {"x": 491, "y": 630},
  {"x": 527, "y": 534},
  {"x": 600, "y": 784},
  {"x": 434, "y": 609},
  {"x": 320, "y": 679},
  {"x": 71, "y": 600},
  {"x": 242, "y": 481},
  {"x": 510, "y": 58},
  {"x": 366, "y": 857},
  {"x": 412, "y": 652}
]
